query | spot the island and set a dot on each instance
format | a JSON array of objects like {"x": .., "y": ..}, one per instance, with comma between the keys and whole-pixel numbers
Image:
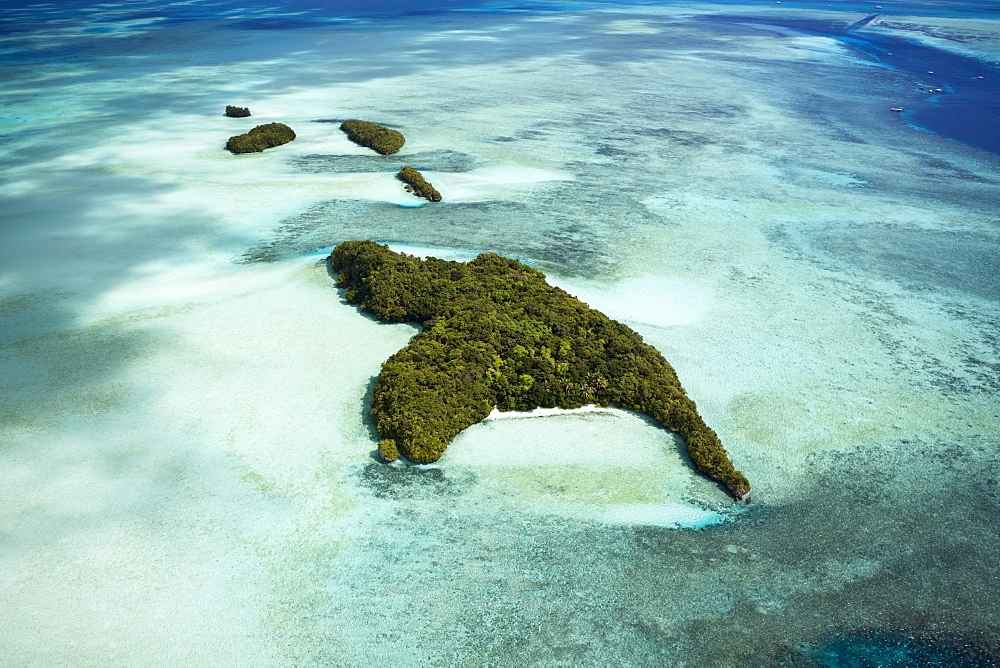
[
  {"x": 237, "y": 112},
  {"x": 261, "y": 137},
  {"x": 416, "y": 184},
  {"x": 374, "y": 136},
  {"x": 496, "y": 334}
]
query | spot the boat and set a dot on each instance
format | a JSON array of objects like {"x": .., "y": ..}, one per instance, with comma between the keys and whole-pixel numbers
[{"x": 895, "y": 108}]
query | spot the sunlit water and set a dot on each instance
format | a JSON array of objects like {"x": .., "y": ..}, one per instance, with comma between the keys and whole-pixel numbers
[{"x": 187, "y": 473}]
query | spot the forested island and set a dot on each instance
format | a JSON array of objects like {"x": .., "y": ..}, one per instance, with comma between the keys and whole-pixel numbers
[
  {"x": 260, "y": 138},
  {"x": 237, "y": 112},
  {"x": 416, "y": 184},
  {"x": 495, "y": 333},
  {"x": 374, "y": 136}
]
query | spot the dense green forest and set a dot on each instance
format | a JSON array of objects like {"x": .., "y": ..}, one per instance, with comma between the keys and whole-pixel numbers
[
  {"x": 260, "y": 138},
  {"x": 237, "y": 112},
  {"x": 495, "y": 333},
  {"x": 374, "y": 136},
  {"x": 417, "y": 185}
]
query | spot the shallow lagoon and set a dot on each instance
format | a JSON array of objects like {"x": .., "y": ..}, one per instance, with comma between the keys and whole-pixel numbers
[{"x": 187, "y": 473}]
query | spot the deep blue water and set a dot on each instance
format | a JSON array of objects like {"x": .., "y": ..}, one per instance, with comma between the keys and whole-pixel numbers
[
  {"x": 318, "y": 10},
  {"x": 968, "y": 109}
]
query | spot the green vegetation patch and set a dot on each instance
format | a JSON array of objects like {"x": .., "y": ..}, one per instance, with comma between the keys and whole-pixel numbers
[
  {"x": 260, "y": 138},
  {"x": 387, "y": 450},
  {"x": 374, "y": 136},
  {"x": 416, "y": 184},
  {"x": 237, "y": 112},
  {"x": 495, "y": 333}
]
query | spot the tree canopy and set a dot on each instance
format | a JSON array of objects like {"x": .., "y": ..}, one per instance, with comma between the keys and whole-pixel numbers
[
  {"x": 495, "y": 333},
  {"x": 260, "y": 138},
  {"x": 374, "y": 136},
  {"x": 237, "y": 112},
  {"x": 417, "y": 185}
]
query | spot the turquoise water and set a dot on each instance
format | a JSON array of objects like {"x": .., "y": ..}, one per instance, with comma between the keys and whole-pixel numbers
[{"x": 186, "y": 467}]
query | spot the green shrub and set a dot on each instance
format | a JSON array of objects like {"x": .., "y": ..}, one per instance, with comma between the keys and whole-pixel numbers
[
  {"x": 374, "y": 136},
  {"x": 387, "y": 450},
  {"x": 237, "y": 112},
  {"x": 417, "y": 185},
  {"x": 260, "y": 138},
  {"x": 496, "y": 334}
]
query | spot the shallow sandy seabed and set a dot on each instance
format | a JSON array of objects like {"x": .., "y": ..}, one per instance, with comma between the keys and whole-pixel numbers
[{"x": 186, "y": 466}]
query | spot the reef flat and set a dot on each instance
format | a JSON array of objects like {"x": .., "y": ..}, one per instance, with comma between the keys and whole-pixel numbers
[{"x": 496, "y": 334}]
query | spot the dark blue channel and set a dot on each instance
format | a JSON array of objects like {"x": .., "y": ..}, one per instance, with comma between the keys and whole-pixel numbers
[
  {"x": 967, "y": 111},
  {"x": 968, "y": 108}
]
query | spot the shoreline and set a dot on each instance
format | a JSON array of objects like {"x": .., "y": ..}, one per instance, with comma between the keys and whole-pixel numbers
[{"x": 497, "y": 414}]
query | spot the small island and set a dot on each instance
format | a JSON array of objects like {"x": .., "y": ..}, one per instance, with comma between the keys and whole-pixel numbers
[
  {"x": 374, "y": 136},
  {"x": 237, "y": 112},
  {"x": 496, "y": 334},
  {"x": 416, "y": 184},
  {"x": 260, "y": 138}
]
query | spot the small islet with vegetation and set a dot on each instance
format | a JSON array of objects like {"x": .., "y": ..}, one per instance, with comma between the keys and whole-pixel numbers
[
  {"x": 496, "y": 334},
  {"x": 374, "y": 136},
  {"x": 417, "y": 184},
  {"x": 260, "y": 138}
]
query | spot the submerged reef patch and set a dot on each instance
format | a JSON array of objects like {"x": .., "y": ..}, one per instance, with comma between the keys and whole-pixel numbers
[
  {"x": 261, "y": 137},
  {"x": 413, "y": 482},
  {"x": 495, "y": 333},
  {"x": 417, "y": 184},
  {"x": 374, "y": 136},
  {"x": 437, "y": 160},
  {"x": 894, "y": 648}
]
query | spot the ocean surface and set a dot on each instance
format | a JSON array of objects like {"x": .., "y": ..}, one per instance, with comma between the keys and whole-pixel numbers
[{"x": 187, "y": 468}]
